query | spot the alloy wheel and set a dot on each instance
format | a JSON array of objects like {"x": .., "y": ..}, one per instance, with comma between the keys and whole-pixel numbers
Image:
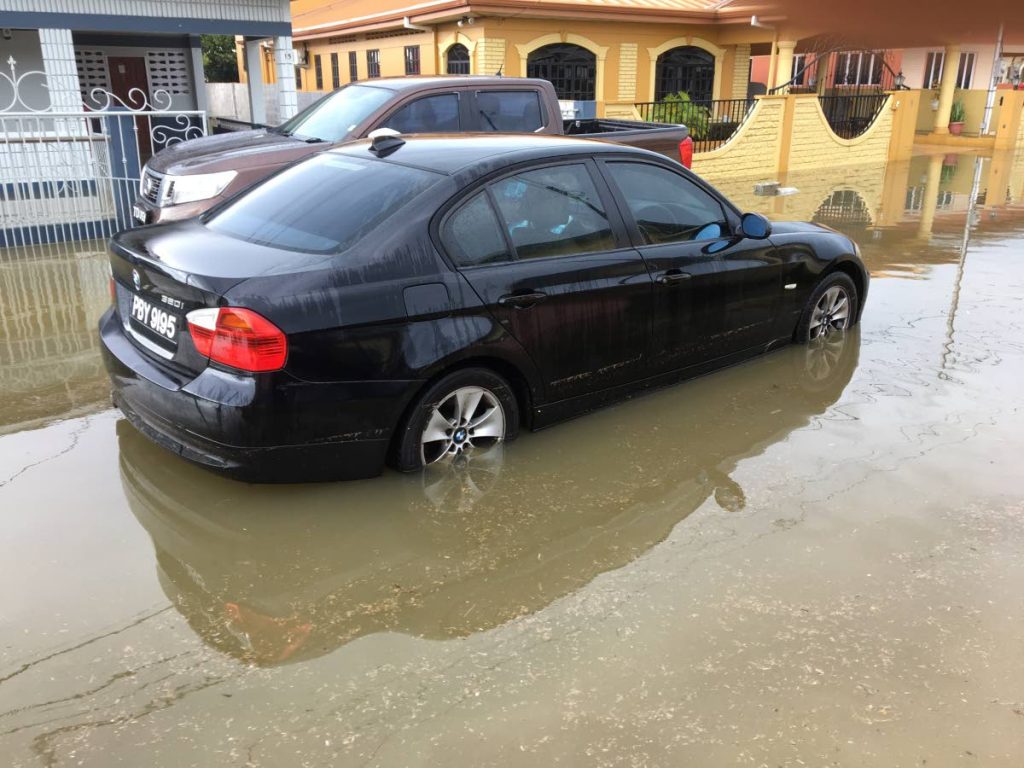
[
  {"x": 831, "y": 313},
  {"x": 465, "y": 419}
]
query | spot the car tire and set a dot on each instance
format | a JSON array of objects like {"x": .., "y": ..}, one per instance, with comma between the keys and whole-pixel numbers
[
  {"x": 833, "y": 306},
  {"x": 454, "y": 434}
]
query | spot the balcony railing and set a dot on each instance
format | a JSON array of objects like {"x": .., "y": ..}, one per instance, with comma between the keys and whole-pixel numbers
[{"x": 711, "y": 122}]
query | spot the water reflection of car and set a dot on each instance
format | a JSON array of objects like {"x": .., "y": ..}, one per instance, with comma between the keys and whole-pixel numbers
[
  {"x": 416, "y": 299},
  {"x": 275, "y": 574}
]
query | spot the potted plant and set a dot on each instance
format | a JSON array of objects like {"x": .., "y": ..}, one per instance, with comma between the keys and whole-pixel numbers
[{"x": 957, "y": 115}]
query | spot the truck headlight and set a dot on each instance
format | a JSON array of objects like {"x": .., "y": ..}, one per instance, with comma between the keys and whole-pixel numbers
[{"x": 203, "y": 186}]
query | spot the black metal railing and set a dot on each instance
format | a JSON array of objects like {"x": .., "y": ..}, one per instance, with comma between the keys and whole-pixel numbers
[
  {"x": 711, "y": 122},
  {"x": 850, "y": 115}
]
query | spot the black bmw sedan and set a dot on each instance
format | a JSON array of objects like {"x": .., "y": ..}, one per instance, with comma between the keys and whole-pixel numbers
[{"x": 414, "y": 300}]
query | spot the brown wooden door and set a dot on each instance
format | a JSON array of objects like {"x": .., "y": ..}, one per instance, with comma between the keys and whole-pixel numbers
[{"x": 128, "y": 73}]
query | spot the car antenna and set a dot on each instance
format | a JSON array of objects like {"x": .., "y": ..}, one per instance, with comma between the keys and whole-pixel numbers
[
  {"x": 498, "y": 73},
  {"x": 384, "y": 141}
]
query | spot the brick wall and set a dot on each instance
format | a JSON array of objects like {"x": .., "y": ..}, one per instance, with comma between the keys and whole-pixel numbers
[
  {"x": 754, "y": 150},
  {"x": 627, "y": 72},
  {"x": 813, "y": 142},
  {"x": 490, "y": 55},
  {"x": 790, "y": 133},
  {"x": 741, "y": 71}
]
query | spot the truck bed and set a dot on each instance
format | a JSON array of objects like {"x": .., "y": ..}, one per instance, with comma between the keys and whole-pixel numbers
[{"x": 663, "y": 138}]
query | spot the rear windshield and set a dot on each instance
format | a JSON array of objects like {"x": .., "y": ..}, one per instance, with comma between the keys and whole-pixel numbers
[
  {"x": 335, "y": 116},
  {"x": 323, "y": 205}
]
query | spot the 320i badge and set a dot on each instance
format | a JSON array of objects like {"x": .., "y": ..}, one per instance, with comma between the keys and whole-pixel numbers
[{"x": 412, "y": 301}]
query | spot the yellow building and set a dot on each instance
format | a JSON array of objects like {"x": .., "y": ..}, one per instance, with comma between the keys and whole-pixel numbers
[{"x": 604, "y": 56}]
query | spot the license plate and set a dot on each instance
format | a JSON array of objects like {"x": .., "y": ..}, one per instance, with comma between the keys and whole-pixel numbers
[
  {"x": 139, "y": 214},
  {"x": 157, "y": 321}
]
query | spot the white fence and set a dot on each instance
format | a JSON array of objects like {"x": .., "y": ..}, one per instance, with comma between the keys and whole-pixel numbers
[
  {"x": 74, "y": 175},
  {"x": 232, "y": 100}
]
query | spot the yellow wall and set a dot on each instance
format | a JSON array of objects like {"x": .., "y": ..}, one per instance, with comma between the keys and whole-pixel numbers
[
  {"x": 814, "y": 142},
  {"x": 625, "y": 52},
  {"x": 392, "y": 57},
  {"x": 754, "y": 150},
  {"x": 789, "y": 134},
  {"x": 1008, "y": 120},
  {"x": 974, "y": 105}
]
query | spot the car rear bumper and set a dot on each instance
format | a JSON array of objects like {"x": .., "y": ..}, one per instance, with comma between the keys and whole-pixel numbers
[{"x": 263, "y": 428}]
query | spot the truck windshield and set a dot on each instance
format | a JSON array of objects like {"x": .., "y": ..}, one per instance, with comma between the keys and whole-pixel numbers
[
  {"x": 335, "y": 116},
  {"x": 323, "y": 205}
]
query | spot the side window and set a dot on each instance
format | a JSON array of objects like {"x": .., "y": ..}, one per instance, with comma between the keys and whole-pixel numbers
[
  {"x": 431, "y": 114},
  {"x": 553, "y": 211},
  {"x": 666, "y": 207},
  {"x": 472, "y": 235},
  {"x": 511, "y": 111}
]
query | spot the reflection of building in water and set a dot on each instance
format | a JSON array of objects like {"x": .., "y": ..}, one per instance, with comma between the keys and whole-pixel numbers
[
  {"x": 906, "y": 215},
  {"x": 915, "y": 199},
  {"x": 844, "y": 206},
  {"x": 50, "y": 300}
]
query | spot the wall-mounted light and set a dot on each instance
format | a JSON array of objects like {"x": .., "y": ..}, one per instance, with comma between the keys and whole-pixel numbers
[{"x": 8, "y": 34}]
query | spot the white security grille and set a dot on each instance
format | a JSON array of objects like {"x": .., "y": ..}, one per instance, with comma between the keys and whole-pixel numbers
[
  {"x": 92, "y": 71},
  {"x": 70, "y": 172},
  {"x": 168, "y": 71}
]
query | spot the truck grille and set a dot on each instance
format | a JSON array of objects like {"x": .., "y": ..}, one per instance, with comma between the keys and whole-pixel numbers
[{"x": 150, "y": 187}]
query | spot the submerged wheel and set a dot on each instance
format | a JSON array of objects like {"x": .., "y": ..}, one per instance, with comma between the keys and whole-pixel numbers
[
  {"x": 465, "y": 412},
  {"x": 831, "y": 308}
]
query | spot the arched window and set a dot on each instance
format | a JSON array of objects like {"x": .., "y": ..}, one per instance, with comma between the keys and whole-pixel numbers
[
  {"x": 688, "y": 69},
  {"x": 570, "y": 68},
  {"x": 458, "y": 60}
]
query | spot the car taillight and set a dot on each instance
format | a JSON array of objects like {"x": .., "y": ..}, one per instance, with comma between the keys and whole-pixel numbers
[
  {"x": 686, "y": 152},
  {"x": 113, "y": 291},
  {"x": 238, "y": 338}
]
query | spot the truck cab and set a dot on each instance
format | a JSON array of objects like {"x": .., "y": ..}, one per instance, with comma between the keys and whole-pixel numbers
[{"x": 188, "y": 178}]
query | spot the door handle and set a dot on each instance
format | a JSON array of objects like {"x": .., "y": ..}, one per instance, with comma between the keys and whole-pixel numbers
[
  {"x": 673, "y": 277},
  {"x": 522, "y": 300}
]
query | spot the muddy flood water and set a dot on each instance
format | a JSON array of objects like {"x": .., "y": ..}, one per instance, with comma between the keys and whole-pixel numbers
[{"x": 815, "y": 558}]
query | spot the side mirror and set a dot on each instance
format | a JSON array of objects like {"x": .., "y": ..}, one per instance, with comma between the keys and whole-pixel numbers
[{"x": 755, "y": 226}]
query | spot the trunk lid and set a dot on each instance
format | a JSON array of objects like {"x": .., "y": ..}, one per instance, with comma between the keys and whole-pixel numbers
[{"x": 164, "y": 272}]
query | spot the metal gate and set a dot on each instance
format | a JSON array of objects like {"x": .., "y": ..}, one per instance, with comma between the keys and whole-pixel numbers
[
  {"x": 74, "y": 175},
  {"x": 572, "y": 69}
]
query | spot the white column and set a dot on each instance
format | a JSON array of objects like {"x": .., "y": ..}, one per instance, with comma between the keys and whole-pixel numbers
[
  {"x": 254, "y": 75},
  {"x": 284, "y": 64},
  {"x": 61, "y": 71},
  {"x": 784, "y": 64}
]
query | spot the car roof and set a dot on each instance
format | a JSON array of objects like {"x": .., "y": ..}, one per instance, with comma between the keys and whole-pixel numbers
[
  {"x": 418, "y": 82},
  {"x": 450, "y": 153}
]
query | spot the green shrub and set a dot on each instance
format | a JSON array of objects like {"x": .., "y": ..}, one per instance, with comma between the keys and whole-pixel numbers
[{"x": 678, "y": 108}]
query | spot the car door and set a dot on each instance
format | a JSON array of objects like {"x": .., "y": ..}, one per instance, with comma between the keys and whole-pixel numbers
[
  {"x": 713, "y": 294},
  {"x": 543, "y": 250}
]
